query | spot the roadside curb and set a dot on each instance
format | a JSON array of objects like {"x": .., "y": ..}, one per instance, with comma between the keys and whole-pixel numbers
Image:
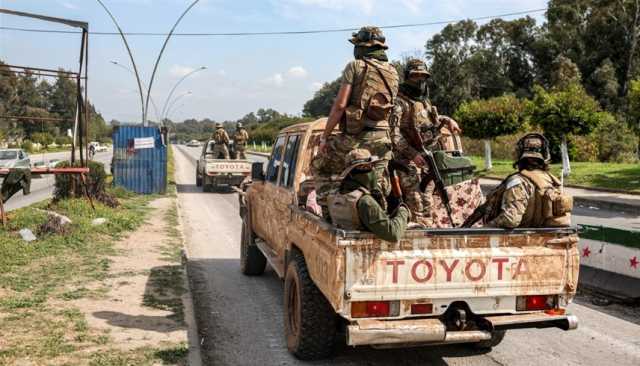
[
  {"x": 605, "y": 190},
  {"x": 600, "y": 202},
  {"x": 264, "y": 155}
]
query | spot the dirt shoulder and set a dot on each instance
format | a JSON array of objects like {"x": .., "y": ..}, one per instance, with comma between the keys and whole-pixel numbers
[{"x": 115, "y": 302}]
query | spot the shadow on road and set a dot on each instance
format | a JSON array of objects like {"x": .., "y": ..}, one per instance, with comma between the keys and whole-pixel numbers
[{"x": 244, "y": 323}]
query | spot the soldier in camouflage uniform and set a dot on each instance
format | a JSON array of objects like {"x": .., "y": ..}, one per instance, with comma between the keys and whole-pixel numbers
[
  {"x": 532, "y": 197},
  {"x": 220, "y": 137},
  {"x": 362, "y": 109},
  {"x": 240, "y": 139},
  {"x": 413, "y": 115},
  {"x": 357, "y": 204}
]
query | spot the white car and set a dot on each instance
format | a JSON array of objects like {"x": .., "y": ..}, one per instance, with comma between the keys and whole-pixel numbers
[
  {"x": 14, "y": 158},
  {"x": 97, "y": 147},
  {"x": 194, "y": 143}
]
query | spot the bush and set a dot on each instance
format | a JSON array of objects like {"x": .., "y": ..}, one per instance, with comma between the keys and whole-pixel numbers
[
  {"x": 616, "y": 142},
  {"x": 63, "y": 140},
  {"x": 488, "y": 119},
  {"x": 70, "y": 185},
  {"x": 27, "y": 145}
]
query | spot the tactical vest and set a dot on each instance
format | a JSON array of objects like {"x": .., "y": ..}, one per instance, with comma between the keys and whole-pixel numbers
[
  {"x": 219, "y": 137},
  {"x": 377, "y": 93},
  {"x": 425, "y": 119},
  {"x": 343, "y": 209},
  {"x": 240, "y": 137},
  {"x": 548, "y": 206}
]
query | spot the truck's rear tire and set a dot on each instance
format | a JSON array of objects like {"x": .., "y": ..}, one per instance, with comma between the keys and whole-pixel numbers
[
  {"x": 496, "y": 337},
  {"x": 252, "y": 261},
  {"x": 310, "y": 322},
  {"x": 198, "y": 177}
]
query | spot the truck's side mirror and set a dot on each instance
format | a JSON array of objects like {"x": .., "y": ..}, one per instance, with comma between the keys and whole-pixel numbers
[{"x": 257, "y": 172}]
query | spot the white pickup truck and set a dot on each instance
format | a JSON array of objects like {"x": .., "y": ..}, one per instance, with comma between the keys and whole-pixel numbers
[
  {"x": 434, "y": 286},
  {"x": 212, "y": 173}
]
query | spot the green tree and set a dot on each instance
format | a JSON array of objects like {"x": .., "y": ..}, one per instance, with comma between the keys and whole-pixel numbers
[
  {"x": 604, "y": 85},
  {"x": 43, "y": 138},
  {"x": 561, "y": 113},
  {"x": 488, "y": 119},
  {"x": 634, "y": 109},
  {"x": 320, "y": 104}
]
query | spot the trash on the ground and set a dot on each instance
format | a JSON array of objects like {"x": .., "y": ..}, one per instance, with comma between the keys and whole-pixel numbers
[
  {"x": 27, "y": 235},
  {"x": 55, "y": 224},
  {"x": 594, "y": 208},
  {"x": 99, "y": 221}
]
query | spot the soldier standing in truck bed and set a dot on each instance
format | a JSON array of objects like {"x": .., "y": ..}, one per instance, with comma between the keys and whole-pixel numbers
[
  {"x": 240, "y": 139},
  {"x": 362, "y": 108},
  {"x": 221, "y": 139},
  {"x": 414, "y": 116}
]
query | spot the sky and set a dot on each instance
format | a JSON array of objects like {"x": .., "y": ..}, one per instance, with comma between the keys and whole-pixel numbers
[{"x": 242, "y": 73}]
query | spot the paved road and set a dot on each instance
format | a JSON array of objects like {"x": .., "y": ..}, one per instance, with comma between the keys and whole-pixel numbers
[
  {"x": 42, "y": 188},
  {"x": 240, "y": 318}
]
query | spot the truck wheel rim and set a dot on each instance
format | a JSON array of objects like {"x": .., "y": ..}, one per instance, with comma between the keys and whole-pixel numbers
[{"x": 293, "y": 306}]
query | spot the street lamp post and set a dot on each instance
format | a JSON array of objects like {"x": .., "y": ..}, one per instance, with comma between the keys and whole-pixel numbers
[
  {"x": 168, "y": 110},
  {"x": 166, "y": 102},
  {"x": 164, "y": 46},
  {"x": 133, "y": 62},
  {"x": 153, "y": 103}
]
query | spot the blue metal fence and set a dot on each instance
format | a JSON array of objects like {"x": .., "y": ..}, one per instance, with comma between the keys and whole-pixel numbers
[{"x": 139, "y": 159}]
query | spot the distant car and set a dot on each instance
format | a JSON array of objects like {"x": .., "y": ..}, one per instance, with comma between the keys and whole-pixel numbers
[
  {"x": 97, "y": 147},
  {"x": 194, "y": 143},
  {"x": 14, "y": 158}
]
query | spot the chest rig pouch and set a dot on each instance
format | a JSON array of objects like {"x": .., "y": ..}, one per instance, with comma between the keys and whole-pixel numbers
[
  {"x": 343, "y": 209},
  {"x": 379, "y": 87}
]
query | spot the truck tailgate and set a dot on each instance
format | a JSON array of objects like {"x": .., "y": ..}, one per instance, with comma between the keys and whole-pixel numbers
[
  {"x": 224, "y": 166},
  {"x": 463, "y": 266}
]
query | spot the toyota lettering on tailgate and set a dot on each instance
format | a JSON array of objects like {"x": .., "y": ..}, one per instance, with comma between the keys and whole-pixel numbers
[{"x": 456, "y": 270}]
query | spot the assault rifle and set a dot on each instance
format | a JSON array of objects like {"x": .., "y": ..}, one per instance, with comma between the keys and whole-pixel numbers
[
  {"x": 416, "y": 142},
  {"x": 488, "y": 208}
]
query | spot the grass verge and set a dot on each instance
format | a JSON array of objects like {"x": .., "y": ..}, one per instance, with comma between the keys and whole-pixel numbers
[
  {"x": 625, "y": 177},
  {"x": 38, "y": 280}
]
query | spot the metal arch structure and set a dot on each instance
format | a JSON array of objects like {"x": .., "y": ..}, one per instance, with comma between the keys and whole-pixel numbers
[{"x": 81, "y": 122}]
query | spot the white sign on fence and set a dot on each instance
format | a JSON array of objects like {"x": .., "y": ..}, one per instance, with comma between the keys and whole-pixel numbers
[{"x": 144, "y": 143}]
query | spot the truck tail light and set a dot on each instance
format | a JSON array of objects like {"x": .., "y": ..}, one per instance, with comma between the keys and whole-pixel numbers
[
  {"x": 374, "y": 309},
  {"x": 535, "y": 302},
  {"x": 421, "y": 309}
]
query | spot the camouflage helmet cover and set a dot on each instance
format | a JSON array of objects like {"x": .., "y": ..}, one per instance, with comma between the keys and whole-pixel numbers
[
  {"x": 358, "y": 158},
  {"x": 533, "y": 145},
  {"x": 417, "y": 67},
  {"x": 218, "y": 125},
  {"x": 369, "y": 36},
  {"x": 239, "y": 125}
]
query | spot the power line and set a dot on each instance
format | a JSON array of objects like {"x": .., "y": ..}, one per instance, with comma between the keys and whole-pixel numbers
[{"x": 275, "y": 33}]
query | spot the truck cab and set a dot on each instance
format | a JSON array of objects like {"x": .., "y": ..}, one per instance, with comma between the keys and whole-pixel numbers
[{"x": 434, "y": 286}]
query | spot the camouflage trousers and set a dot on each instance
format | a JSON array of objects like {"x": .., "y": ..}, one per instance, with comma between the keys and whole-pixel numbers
[
  {"x": 419, "y": 202},
  {"x": 326, "y": 166},
  {"x": 240, "y": 149},
  {"x": 220, "y": 152}
]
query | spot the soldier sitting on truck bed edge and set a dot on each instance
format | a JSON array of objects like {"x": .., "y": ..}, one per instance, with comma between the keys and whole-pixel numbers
[
  {"x": 354, "y": 206},
  {"x": 532, "y": 197}
]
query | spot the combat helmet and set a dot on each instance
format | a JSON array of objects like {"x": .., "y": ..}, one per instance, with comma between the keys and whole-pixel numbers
[
  {"x": 239, "y": 125},
  {"x": 369, "y": 36},
  {"x": 416, "y": 67},
  {"x": 358, "y": 158},
  {"x": 218, "y": 125},
  {"x": 533, "y": 145}
]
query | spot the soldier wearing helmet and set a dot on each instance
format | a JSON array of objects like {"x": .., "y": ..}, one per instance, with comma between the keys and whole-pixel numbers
[
  {"x": 413, "y": 116},
  {"x": 240, "y": 139},
  {"x": 356, "y": 206},
  {"x": 221, "y": 139},
  {"x": 361, "y": 109},
  {"x": 532, "y": 197}
]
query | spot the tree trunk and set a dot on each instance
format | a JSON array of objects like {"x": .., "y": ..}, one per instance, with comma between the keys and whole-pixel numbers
[
  {"x": 487, "y": 155},
  {"x": 566, "y": 165}
]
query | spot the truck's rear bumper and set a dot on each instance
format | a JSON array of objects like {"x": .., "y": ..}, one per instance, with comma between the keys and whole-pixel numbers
[
  {"x": 225, "y": 179},
  {"x": 433, "y": 331}
]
